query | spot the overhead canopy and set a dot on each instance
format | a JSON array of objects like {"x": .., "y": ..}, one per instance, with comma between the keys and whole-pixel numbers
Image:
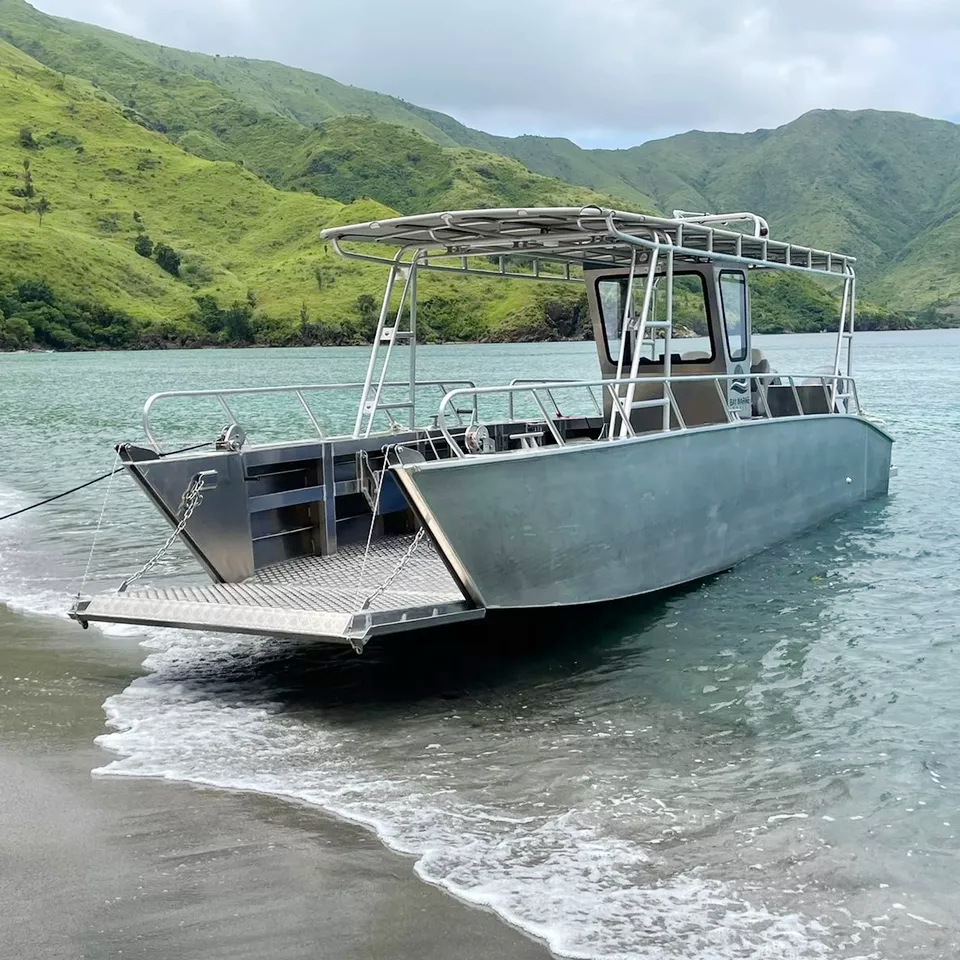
[{"x": 574, "y": 236}]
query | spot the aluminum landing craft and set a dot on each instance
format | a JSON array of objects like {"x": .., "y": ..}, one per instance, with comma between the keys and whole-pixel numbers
[{"x": 687, "y": 453}]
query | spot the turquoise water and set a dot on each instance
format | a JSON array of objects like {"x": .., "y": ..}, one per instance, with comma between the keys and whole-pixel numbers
[{"x": 762, "y": 764}]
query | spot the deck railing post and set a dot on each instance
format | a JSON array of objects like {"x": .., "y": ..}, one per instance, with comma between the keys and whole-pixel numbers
[
  {"x": 413, "y": 344},
  {"x": 668, "y": 338},
  {"x": 625, "y": 323},
  {"x": 642, "y": 326}
]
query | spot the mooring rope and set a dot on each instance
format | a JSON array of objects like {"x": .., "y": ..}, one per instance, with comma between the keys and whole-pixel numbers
[
  {"x": 90, "y": 483},
  {"x": 96, "y": 532}
]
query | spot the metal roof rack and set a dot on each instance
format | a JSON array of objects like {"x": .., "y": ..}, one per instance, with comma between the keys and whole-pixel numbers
[{"x": 544, "y": 243}]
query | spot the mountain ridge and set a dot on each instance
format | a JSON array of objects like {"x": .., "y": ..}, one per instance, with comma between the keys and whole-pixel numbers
[
  {"x": 829, "y": 178},
  {"x": 302, "y": 134}
]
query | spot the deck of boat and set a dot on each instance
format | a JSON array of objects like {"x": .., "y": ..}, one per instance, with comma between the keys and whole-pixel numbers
[{"x": 320, "y": 597}]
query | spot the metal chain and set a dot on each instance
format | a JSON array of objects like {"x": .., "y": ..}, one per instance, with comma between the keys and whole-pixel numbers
[
  {"x": 191, "y": 499},
  {"x": 421, "y": 533}
]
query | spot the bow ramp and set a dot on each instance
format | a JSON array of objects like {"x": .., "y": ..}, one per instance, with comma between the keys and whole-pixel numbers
[{"x": 403, "y": 584}]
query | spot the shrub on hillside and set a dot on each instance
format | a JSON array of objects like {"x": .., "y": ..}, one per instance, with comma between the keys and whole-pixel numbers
[
  {"x": 15, "y": 333},
  {"x": 230, "y": 325},
  {"x": 194, "y": 271},
  {"x": 26, "y": 140},
  {"x": 167, "y": 258},
  {"x": 144, "y": 246},
  {"x": 27, "y": 191},
  {"x": 35, "y": 314}
]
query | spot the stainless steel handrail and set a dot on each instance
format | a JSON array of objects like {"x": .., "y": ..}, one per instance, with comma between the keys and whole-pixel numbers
[
  {"x": 764, "y": 382},
  {"x": 297, "y": 390},
  {"x": 528, "y": 381}
]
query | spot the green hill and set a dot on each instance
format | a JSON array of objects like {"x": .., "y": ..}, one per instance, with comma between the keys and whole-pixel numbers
[
  {"x": 252, "y": 266},
  {"x": 871, "y": 183},
  {"x": 320, "y": 136},
  {"x": 236, "y": 164}
]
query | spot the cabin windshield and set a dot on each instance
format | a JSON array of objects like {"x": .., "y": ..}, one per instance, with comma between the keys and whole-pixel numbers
[{"x": 690, "y": 318}]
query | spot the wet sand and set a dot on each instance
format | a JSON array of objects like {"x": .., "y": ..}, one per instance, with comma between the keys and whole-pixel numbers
[{"x": 93, "y": 868}]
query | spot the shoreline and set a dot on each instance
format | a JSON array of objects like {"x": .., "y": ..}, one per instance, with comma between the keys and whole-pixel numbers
[
  {"x": 104, "y": 866},
  {"x": 175, "y": 347}
]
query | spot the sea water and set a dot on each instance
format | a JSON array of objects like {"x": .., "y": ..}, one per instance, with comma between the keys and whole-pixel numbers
[{"x": 763, "y": 764}]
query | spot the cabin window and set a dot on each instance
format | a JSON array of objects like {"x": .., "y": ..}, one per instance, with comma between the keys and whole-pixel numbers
[
  {"x": 691, "y": 340},
  {"x": 733, "y": 299}
]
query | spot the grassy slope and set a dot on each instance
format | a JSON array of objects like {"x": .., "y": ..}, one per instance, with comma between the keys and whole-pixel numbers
[
  {"x": 236, "y": 233},
  {"x": 217, "y": 215},
  {"x": 826, "y": 170},
  {"x": 297, "y": 95},
  {"x": 266, "y": 88},
  {"x": 255, "y": 113},
  {"x": 874, "y": 184},
  {"x": 351, "y": 157}
]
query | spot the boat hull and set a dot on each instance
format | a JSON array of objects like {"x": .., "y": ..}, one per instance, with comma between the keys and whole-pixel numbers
[{"x": 601, "y": 521}]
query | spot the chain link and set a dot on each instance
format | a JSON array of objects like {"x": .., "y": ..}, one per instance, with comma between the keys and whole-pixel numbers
[
  {"x": 191, "y": 499},
  {"x": 396, "y": 573}
]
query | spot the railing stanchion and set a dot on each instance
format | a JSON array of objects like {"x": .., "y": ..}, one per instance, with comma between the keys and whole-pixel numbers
[{"x": 313, "y": 419}]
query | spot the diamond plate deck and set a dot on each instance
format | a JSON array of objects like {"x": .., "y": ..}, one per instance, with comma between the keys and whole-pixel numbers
[{"x": 308, "y": 596}]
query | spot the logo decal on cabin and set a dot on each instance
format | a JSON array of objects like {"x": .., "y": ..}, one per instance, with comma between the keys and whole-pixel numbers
[{"x": 739, "y": 386}]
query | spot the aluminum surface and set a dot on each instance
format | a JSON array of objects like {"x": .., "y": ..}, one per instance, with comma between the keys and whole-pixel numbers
[
  {"x": 572, "y": 236},
  {"x": 218, "y": 533},
  {"x": 595, "y": 522},
  {"x": 307, "y": 597}
]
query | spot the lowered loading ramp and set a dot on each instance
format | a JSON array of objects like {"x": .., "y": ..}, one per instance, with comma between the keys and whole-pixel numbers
[{"x": 339, "y": 598}]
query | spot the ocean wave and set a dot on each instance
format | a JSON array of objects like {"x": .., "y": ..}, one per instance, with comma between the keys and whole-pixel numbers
[{"x": 561, "y": 875}]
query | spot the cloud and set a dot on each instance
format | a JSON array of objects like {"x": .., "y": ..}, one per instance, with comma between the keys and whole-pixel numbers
[{"x": 608, "y": 73}]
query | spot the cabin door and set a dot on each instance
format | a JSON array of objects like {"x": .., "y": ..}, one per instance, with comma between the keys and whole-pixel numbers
[{"x": 735, "y": 318}]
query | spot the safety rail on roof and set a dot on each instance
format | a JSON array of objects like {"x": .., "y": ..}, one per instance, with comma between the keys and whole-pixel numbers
[
  {"x": 839, "y": 395},
  {"x": 545, "y": 243}
]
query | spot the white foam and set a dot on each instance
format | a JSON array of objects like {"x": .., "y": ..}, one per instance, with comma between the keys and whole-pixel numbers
[{"x": 562, "y": 876}]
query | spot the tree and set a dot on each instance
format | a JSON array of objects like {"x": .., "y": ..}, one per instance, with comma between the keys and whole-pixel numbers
[
  {"x": 144, "y": 246},
  {"x": 26, "y": 139},
  {"x": 236, "y": 323},
  {"x": 167, "y": 258},
  {"x": 15, "y": 333},
  {"x": 42, "y": 207},
  {"x": 366, "y": 306},
  {"x": 27, "y": 191}
]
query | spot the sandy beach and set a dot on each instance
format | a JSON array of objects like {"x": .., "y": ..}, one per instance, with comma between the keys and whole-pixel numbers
[{"x": 93, "y": 868}]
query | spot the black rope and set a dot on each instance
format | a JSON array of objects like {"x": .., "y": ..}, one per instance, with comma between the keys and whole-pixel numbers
[{"x": 90, "y": 483}]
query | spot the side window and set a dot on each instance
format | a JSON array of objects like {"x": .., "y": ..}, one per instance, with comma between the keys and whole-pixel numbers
[
  {"x": 611, "y": 294},
  {"x": 733, "y": 300}
]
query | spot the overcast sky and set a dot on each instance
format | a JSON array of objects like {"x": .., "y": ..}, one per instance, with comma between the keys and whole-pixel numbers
[{"x": 601, "y": 72}]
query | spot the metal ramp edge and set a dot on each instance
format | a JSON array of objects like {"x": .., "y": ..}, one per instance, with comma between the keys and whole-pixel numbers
[{"x": 310, "y": 598}]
